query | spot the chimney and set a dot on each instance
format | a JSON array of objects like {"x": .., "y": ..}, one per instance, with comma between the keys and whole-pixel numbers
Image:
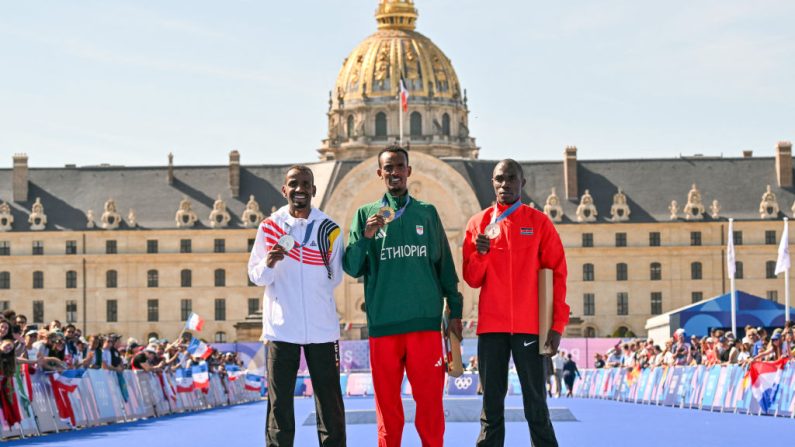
[
  {"x": 170, "y": 168},
  {"x": 570, "y": 172},
  {"x": 748, "y": 154},
  {"x": 783, "y": 164},
  {"x": 234, "y": 173},
  {"x": 20, "y": 185}
]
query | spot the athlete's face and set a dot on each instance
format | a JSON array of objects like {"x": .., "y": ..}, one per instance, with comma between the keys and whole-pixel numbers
[
  {"x": 394, "y": 170},
  {"x": 298, "y": 189},
  {"x": 508, "y": 183}
]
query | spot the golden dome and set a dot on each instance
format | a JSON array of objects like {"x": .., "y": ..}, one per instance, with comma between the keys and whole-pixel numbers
[{"x": 374, "y": 68}]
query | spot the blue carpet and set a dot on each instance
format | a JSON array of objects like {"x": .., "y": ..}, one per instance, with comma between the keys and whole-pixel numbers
[{"x": 599, "y": 423}]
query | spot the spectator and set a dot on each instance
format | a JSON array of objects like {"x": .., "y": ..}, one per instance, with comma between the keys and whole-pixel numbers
[
  {"x": 773, "y": 349},
  {"x": 472, "y": 365},
  {"x": 558, "y": 360},
  {"x": 599, "y": 361},
  {"x": 569, "y": 372},
  {"x": 614, "y": 357}
]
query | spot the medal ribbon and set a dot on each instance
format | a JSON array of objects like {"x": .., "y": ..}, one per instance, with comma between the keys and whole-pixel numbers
[
  {"x": 399, "y": 212},
  {"x": 506, "y": 213},
  {"x": 308, "y": 233}
]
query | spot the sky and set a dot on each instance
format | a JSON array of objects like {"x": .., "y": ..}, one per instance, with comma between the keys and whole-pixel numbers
[{"x": 126, "y": 82}]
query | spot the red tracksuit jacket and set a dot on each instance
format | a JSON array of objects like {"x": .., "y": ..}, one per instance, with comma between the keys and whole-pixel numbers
[{"x": 508, "y": 273}]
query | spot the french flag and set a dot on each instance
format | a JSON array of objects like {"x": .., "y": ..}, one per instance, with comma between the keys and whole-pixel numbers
[
  {"x": 198, "y": 348},
  {"x": 69, "y": 379},
  {"x": 184, "y": 380},
  {"x": 194, "y": 323},
  {"x": 765, "y": 378},
  {"x": 253, "y": 382},
  {"x": 233, "y": 372},
  {"x": 201, "y": 376},
  {"x": 404, "y": 96}
]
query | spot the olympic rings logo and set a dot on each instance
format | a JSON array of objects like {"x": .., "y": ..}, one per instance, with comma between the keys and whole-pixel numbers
[{"x": 463, "y": 382}]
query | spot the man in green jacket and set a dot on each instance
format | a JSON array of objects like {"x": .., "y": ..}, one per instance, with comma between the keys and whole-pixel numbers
[{"x": 399, "y": 245}]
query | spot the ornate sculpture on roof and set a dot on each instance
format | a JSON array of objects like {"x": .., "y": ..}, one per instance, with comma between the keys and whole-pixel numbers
[
  {"x": 694, "y": 209},
  {"x": 110, "y": 218},
  {"x": 6, "y": 218},
  {"x": 132, "y": 221},
  {"x": 552, "y": 208},
  {"x": 90, "y": 220},
  {"x": 619, "y": 211},
  {"x": 37, "y": 219},
  {"x": 219, "y": 217},
  {"x": 714, "y": 210},
  {"x": 674, "y": 209},
  {"x": 768, "y": 207},
  {"x": 252, "y": 216},
  {"x": 185, "y": 216},
  {"x": 586, "y": 211}
]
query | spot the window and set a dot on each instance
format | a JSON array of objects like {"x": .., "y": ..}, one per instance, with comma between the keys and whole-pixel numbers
[
  {"x": 220, "y": 278},
  {"x": 38, "y": 311},
  {"x": 220, "y": 309},
  {"x": 589, "y": 332},
  {"x": 587, "y": 272},
  {"x": 152, "y": 278},
  {"x": 111, "y": 279},
  {"x": 219, "y": 246},
  {"x": 220, "y": 337},
  {"x": 38, "y": 279},
  {"x": 110, "y": 247},
  {"x": 738, "y": 270},
  {"x": 772, "y": 295},
  {"x": 185, "y": 308},
  {"x": 152, "y": 335},
  {"x": 152, "y": 310},
  {"x": 253, "y": 306},
  {"x": 621, "y": 271},
  {"x": 621, "y": 239},
  {"x": 770, "y": 269},
  {"x": 655, "y": 271},
  {"x": 71, "y": 311},
  {"x": 185, "y": 278},
  {"x": 5, "y": 280},
  {"x": 71, "y": 279},
  {"x": 251, "y": 244},
  {"x": 770, "y": 237},
  {"x": 656, "y": 303},
  {"x": 380, "y": 125},
  {"x": 696, "y": 297},
  {"x": 38, "y": 248},
  {"x": 184, "y": 246},
  {"x": 587, "y": 239},
  {"x": 71, "y": 248},
  {"x": 695, "y": 270},
  {"x": 5, "y": 248},
  {"x": 5, "y": 305},
  {"x": 446, "y": 125},
  {"x": 622, "y": 300},
  {"x": 695, "y": 238},
  {"x": 112, "y": 311},
  {"x": 654, "y": 239},
  {"x": 349, "y": 126},
  {"x": 588, "y": 304},
  {"x": 151, "y": 246},
  {"x": 415, "y": 124},
  {"x": 738, "y": 238}
]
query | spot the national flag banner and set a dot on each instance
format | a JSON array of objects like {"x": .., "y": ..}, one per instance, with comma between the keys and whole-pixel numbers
[
  {"x": 404, "y": 96},
  {"x": 69, "y": 379},
  {"x": 201, "y": 376},
  {"x": 764, "y": 380},
  {"x": 168, "y": 390},
  {"x": 233, "y": 372},
  {"x": 470, "y": 324},
  {"x": 348, "y": 326},
  {"x": 782, "y": 263},
  {"x": 253, "y": 382},
  {"x": 730, "y": 258},
  {"x": 184, "y": 378},
  {"x": 199, "y": 349},
  {"x": 194, "y": 323}
]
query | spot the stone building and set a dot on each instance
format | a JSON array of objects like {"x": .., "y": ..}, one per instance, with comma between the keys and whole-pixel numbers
[{"x": 135, "y": 249}]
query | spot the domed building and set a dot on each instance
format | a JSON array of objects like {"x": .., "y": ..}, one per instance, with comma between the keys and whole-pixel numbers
[{"x": 364, "y": 107}]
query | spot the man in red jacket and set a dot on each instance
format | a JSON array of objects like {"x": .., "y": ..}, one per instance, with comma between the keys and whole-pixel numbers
[{"x": 504, "y": 248}]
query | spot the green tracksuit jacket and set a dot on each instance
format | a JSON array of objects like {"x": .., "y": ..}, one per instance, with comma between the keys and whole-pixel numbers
[{"x": 407, "y": 269}]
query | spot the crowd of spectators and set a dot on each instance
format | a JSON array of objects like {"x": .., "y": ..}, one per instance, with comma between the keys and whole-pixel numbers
[{"x": 719, "y": 348}]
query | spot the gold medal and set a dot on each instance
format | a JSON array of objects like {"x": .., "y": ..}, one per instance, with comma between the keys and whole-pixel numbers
[
  {"x": 387, "y": 213},
  {"x": 286, "y": 242},
  {"x": 492, "y": 231}
]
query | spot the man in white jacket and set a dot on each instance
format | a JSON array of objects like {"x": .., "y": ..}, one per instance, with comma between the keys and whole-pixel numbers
[{"x": 297, "y": 256}]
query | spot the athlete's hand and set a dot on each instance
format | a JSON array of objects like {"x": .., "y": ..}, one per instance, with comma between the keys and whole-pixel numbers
[
  {"x": 275, "y": 255},
  {"x": 456, "y": 327},
  {"x": 373, "y": 224},
  {"x": 553, "y": 342},
  {"x": 483, "y": 243}
]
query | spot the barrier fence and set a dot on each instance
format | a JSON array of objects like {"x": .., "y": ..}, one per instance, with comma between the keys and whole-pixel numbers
[{"x": 106, "y": 397}]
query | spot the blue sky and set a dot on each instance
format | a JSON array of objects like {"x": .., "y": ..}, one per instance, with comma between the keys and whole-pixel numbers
[{"x": 126, "y": 82}]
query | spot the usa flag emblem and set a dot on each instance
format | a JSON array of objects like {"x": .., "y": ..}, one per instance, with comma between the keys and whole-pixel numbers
[{"x": 526, "y": 231}]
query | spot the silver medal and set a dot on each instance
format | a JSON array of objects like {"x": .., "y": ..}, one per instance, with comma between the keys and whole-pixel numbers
[
  {"x": 286, "y": 242},
  {"x": 492, "y": 231}
]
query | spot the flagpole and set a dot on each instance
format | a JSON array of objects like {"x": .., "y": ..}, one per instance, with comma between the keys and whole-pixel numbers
[
  {"x": 732, "y": 280},
  {"x": 786, "y": 272},
  {"x": 400, "y": 117}
]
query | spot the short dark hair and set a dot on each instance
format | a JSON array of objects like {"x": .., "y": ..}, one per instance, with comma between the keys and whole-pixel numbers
[
  {"x": 512, "y": 163},
  {"x": 300, "y": 168},
  {"x": 394, "y": 148}
]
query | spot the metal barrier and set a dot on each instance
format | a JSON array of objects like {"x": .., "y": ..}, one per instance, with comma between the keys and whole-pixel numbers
[{"x": 107, "y": 397}]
